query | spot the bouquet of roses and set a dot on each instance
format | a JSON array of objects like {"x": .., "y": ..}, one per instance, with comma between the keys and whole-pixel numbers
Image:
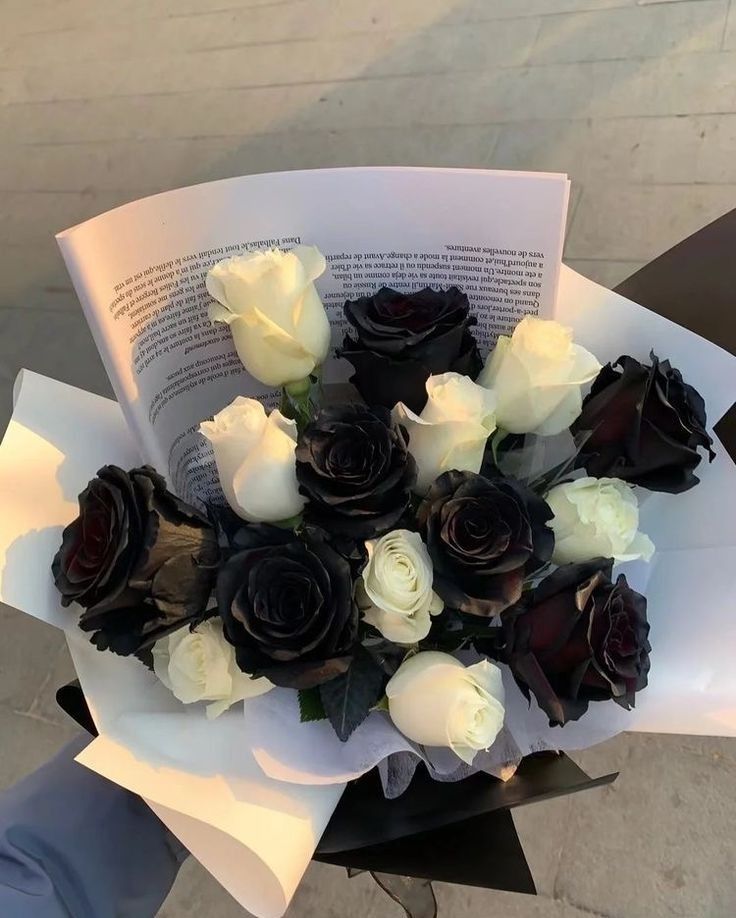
[
  {"x": 391, "y": 551},
  {"x": 283, "y": 607}
]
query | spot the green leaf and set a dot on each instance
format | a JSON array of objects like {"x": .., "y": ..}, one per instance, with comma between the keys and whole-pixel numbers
[
  {"x": 349, "y": 698},
  {"x": 496, "y": 440},
  {"x": 293, "y": 522},
  {"x": 300, "y": 400},
  {"x": 310, "y": 706}
]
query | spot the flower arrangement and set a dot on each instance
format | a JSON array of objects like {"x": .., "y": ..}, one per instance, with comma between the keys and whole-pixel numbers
[{"x": 393, "y": 553}]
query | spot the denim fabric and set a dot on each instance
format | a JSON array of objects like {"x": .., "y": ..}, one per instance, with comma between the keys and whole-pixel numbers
[{"x": 73, "y": 845}]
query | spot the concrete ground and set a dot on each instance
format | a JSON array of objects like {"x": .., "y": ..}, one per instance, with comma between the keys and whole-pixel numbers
[{"x": 105, "y": 101}]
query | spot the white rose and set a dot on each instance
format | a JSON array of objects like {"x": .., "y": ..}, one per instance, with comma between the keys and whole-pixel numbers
[
  {"x": 276, "y": 317},
  {"x": 452, "y": 430},
  {"x": 256, "y": 460},
  {"x": 395, "y": 591},
  {"x": 597, "y": 517},
  {"x": 537, "y": 375},
  {"x": 436, "y": 701},
  {"x": 200, "y": 665}
]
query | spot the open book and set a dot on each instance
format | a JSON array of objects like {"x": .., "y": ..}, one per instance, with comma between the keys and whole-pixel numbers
[{"x": 140, "y": 274}]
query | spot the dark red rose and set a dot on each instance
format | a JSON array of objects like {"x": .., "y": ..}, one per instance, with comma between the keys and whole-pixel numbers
[
  {"x": 353, "y": 465},
  {"x": 485, "y": 536},
  {"x": 578, "y": 638},
  {"x": 403, "y": 338},
  {"x": 646, "y": 425},
  {"x": 139, "y": 561},
  {"x": 287, "y": 606}
]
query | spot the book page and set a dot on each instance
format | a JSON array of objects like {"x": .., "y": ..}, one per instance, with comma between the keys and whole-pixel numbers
[{"x": 140, "y": 274}]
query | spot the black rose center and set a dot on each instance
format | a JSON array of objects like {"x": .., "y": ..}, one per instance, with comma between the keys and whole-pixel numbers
[
  {"x": 414, "y": 316},
  {"x": 95, "y": 533},
  {"x": 645, "y": 426},
  {"x": 621, "y": 648},
  {"x": 353, "y": 464},
  {"x": 357, "y": 459},
  {"x": 484, "y": 536},
  {"x": 478, "y": 530},
  {"x": 138, "y": 560}
]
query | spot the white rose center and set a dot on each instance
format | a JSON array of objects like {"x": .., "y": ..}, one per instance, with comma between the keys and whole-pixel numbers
[
  {"x": 396, "y": 587},
  {"x": 397, "y": 578}
]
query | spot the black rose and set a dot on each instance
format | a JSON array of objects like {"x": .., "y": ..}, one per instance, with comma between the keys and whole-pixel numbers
[
  {"x": 485, "y": 536},
  {"x": 353, "y": 465},
  {"x": 287, "y": 607},
  {"x": 141, "y": 562},
  {"x": 578, "y": 638},
  {"x": 646, "y": 425},
  {"x": 403, "y": 338}
]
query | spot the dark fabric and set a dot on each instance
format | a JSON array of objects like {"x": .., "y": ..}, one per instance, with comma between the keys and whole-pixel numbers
[{"x": 73, "y": 845}]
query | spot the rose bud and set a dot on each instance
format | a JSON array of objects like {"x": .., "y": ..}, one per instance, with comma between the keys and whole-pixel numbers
[
  {"x": 452, "y": 430},
  {"x": 403, "y": 338},
  {"x": 578, "y": 638},
  {"x": 395, "y": 590},
  {"x": 484, "y": 536},
  {"x": 256, "y": 462},
  {"x": 594, "y": 518},
  {"x": 355, "y": 470},
  {"x": 537, "y": 375},
  {"x": 434, "y": 700},
  {"x": 278, "y": 323},
  {"x": 141, "y": 562},
  {"x": 287, "y": 607},
  {"x": 200, "y": 665},
  {"x": 646, "y": 425}
]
